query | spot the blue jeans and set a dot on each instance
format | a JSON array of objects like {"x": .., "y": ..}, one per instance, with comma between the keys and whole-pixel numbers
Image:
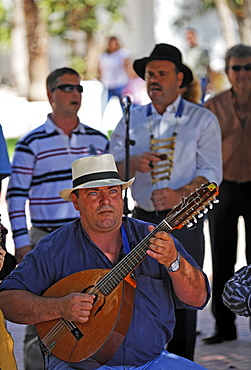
[{"x": 164, "y": 361}]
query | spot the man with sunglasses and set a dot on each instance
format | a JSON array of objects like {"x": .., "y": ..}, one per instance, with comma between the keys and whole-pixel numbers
[
  {"x": 233, "y": 110},
  {"x": 42, "y": 162}
]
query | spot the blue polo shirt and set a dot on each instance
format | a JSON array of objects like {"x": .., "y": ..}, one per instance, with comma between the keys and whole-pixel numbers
[{"x": 69, "y": 250}]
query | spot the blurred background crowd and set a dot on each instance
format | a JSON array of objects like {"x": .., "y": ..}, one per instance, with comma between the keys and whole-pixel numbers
[
  {"x": 39, "y": 36},
  {"x": 100, "y": 40}
]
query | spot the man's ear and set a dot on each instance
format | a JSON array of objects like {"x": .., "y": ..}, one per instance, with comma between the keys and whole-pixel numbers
[
  {"x": 74, "y": 201},
  {"x": 50, "y": 96},
  {"x": 180, "y": 76}
]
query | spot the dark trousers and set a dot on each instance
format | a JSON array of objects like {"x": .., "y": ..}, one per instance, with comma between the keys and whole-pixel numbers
[
  {"x": 235, "y": 201},
  {"x": 184, "y": 336}
]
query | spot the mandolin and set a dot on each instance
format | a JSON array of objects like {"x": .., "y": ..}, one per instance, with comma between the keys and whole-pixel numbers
[{"x": 110, "y": 317}]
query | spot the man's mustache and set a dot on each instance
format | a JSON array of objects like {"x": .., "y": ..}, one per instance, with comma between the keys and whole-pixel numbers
[{"x": 155, "y": 85}]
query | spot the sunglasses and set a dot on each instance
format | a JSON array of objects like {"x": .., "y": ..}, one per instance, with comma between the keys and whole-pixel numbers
[
  {"x": 237, "y": 67},
  {"x": 68, "y": 88}
]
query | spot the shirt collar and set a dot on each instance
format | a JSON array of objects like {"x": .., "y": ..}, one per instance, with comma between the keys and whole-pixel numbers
[
  {"x": 51, "y": 127},
  {"x": 172, "y": 108}
]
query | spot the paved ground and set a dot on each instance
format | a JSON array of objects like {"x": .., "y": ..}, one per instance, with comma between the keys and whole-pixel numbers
[{"x": 228, "y": 355}]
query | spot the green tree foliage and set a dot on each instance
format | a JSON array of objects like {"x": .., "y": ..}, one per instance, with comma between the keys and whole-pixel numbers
[
  {"x": 63, "y": 17},
  {"x": 5, "y": 23},
  {"x": 78, "y": 15}
]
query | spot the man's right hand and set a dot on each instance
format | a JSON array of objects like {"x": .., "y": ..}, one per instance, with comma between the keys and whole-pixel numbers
[
  {"x": 76, "y": 306},
  {"x": 21, "y": 252},
  {"x": 144, "y": 162}
]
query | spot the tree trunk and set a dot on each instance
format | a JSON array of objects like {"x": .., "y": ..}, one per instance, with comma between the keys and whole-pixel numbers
[
  {"x": 226, "y": 22},
  {"x": 19, "y": 51},
  {"x": 93, "y": 50},
  {"x": 37, "y": 42},
  {"x": 244, "y": 22}
]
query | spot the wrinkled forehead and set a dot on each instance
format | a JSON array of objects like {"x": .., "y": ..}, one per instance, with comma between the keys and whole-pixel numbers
[
  {"x": 68, "y": 78},
  {"x": 100, "y": 188},
  {"x": 160, "y": 65}
]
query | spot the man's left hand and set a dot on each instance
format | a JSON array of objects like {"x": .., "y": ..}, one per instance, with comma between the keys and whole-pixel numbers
[{"x": 162, "y": 247}]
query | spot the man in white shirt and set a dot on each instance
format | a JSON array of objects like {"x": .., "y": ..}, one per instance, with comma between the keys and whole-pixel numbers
[{"x": 177, "y": 148}]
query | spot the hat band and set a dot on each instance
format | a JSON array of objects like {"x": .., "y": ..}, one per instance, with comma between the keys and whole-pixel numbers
[{"x": 95, "y": 176}]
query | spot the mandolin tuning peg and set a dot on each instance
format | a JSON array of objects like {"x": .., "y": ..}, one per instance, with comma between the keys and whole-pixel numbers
[
  {"x": 190, "y": 224},
  {"x": 216, "y": 200},
  {"x": 195, "y": 220},
  {"x": 210, "y": 206},
  {"x": 205, "y": 210},
  {"x": 200, "y": 215}
]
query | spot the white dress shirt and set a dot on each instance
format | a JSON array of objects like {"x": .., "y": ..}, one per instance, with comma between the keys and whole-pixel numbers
[{"x": 197, "y": 150}]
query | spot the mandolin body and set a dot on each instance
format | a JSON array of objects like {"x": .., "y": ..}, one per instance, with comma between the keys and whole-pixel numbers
[{"x": 101, "y": 336}]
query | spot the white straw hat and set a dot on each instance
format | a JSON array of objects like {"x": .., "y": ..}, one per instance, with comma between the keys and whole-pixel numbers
[{"x": 92, "y": 172}]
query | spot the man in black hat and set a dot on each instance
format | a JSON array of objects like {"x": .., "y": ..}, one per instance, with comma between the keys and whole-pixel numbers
[{"x": 177, "y": 148}]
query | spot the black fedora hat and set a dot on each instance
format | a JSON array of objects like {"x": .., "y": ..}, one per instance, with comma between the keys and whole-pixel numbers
[{"x": 164, "y": 52}]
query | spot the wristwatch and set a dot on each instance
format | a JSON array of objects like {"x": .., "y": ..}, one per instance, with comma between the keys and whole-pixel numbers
[{"x": 174, "y": 265}]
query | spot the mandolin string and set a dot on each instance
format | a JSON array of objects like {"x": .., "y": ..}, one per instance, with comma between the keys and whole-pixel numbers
[
  {"x": 129, "y": 262},
  {"x": 133, "y": 258},
  {"x": 60, "y": 330},
  {"x": 124, "y": 267},
  {"x": 51, "y": 336},
  {"x": 52, "y": 341},
  {"x": 122, "y": 270},
  {"x": 57, "y": 334}
]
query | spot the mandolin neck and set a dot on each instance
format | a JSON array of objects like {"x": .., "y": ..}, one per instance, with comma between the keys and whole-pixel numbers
[{"x": 128, "y": 263}]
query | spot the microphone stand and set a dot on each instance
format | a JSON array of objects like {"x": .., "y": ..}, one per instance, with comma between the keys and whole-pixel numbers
[{"x": 127, "y": 104}]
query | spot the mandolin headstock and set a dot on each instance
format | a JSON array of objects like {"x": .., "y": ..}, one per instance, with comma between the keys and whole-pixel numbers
[{"x": 194, "y": 206}]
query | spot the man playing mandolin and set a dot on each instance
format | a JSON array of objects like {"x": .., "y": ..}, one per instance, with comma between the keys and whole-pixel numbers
[{"x": 95, "y": 317}]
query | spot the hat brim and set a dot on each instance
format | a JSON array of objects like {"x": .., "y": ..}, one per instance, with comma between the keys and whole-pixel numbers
[
  {"x": 139, "y": 66},
  {"x": 66, "y": 193}
]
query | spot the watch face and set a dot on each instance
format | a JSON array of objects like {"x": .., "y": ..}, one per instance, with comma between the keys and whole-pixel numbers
[{"x": 175, "y": 265}]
